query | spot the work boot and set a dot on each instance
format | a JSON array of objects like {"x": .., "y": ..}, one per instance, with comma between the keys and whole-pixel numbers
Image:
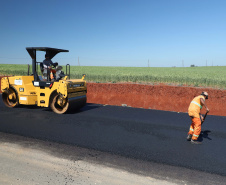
[
  {"x": 196, "y": 142},
  {"x": 189, "y": 137}
]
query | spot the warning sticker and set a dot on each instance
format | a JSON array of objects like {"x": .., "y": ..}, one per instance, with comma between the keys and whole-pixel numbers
[
  {"x": 18, "y": 82},
  {"x": 36, "y": 83},
  {"x": 23, "y": 98}
]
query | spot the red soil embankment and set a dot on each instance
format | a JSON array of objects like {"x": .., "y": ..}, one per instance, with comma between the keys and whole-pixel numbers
[{"x": 160, "y": 97}]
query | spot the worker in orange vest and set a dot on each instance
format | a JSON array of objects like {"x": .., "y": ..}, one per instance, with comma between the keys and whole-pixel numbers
[{"x": 194, "y": 112}]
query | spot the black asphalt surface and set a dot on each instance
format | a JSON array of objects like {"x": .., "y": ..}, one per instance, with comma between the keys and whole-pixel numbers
[{"x": 147, "y": 135}]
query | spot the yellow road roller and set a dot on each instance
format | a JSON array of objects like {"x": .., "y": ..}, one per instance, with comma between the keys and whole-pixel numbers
[{"x": 60, "y": 93}]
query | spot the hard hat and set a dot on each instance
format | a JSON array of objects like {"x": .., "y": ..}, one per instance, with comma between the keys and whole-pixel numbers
[{"x": 205, "y": 94}]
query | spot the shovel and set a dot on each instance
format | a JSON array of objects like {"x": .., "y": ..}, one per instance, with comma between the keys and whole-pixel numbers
[{"x": 204, "y": 118}]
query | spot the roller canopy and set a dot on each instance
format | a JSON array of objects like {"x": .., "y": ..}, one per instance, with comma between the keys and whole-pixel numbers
[{"x": 50, "y": 51}]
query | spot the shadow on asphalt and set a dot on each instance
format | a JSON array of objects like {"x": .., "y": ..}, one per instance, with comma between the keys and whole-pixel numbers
[
  {"x": 204, "y": 134},
  {"x": 87, "y": 107},
  {"x": 28, "y": 107}
]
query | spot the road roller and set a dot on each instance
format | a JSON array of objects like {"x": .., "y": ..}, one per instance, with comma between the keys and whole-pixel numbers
[{"x": 60, "y": 93}]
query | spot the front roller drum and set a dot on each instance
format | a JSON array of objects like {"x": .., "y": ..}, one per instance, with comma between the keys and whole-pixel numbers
[
  {"x": 59, "y": 104},
  {"x": 10, "y": 98}
]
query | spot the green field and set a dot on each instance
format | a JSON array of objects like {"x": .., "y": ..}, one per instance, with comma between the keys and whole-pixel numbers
[{"x": 189, "y": 76}]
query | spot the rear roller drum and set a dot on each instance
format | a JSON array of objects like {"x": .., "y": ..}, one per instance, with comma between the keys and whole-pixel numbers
[
  {"x": 10, "y": 98},
  {"x": 59, "y": 104}
]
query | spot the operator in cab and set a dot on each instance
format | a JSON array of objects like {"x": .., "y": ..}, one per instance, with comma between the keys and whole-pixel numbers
[{"x": 47, "y": 64}]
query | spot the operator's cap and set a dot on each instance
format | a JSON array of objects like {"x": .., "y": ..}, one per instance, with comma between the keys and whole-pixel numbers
[{"x": 205, "y": 94}]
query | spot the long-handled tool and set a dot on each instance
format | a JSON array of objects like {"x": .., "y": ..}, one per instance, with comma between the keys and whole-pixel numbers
[{"x": 204, "y": 118}]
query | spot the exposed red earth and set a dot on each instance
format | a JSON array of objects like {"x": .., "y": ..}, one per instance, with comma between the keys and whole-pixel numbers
[{"x": 159, "y": 97}]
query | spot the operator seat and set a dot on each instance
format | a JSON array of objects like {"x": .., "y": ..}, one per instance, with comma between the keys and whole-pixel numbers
[
  {"x": 44, "y": 72},
  {"x": 41, "y": 67}
]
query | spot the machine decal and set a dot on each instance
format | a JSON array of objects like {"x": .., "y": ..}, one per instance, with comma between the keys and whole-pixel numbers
[
  {"x": 21, "y": 89},
  {"x": 17, "y": 82},
  {"x": 75, "y": 85},
  {"x": 36, "y": 83},
  {"x": 23, "y": 98}
]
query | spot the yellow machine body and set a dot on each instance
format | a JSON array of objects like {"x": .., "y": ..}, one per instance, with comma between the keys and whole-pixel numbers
[{"x": 30, "y": 92}]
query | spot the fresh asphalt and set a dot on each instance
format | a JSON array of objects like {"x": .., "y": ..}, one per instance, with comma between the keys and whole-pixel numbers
[{"x": 147, "y": 135}]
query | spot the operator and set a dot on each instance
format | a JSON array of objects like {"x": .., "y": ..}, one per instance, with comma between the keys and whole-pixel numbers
[
  {"x": 47, "y": 63},
  {"x": 194, "y": 112}
]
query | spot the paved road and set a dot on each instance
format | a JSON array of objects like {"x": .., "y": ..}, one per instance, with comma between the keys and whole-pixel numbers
[
  {"x": 147, "y": 135},
  {"x": 27, "y": 161}
]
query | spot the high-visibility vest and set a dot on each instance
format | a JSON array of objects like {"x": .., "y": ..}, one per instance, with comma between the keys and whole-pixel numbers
[
  {"x": 195, "y": 106},
  {"x": 51, "y": 75}
]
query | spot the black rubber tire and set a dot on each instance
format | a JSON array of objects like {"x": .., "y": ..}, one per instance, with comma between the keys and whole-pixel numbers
[
  {"x": 57, "y": 108},
  {"x": 7, "y": 101}
]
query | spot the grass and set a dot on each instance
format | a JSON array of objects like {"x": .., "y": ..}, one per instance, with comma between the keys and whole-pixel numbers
[{"x": 189, "y": 76}]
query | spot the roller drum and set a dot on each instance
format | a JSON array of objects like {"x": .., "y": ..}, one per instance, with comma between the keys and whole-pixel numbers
[
  {"x": 77, "y": 103},
  {"x": 60, "y": 105}
]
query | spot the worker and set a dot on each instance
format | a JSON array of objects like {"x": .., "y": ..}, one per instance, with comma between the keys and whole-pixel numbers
[
  {"x": 47, "y": 64},
  {"x": 194, "y": 112}
]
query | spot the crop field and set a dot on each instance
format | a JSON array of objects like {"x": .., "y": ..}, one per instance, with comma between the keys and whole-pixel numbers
[{"x": 182, "y": 76}]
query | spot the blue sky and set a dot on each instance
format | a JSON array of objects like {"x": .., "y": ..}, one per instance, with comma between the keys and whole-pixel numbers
[{"x": 116, "y": 32}]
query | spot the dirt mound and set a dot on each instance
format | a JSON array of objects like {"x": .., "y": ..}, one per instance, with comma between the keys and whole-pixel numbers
[{"x": 160, "y": 97}]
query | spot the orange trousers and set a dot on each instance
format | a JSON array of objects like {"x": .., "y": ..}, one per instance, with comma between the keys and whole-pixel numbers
[{"x": 195, "y": 128}]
